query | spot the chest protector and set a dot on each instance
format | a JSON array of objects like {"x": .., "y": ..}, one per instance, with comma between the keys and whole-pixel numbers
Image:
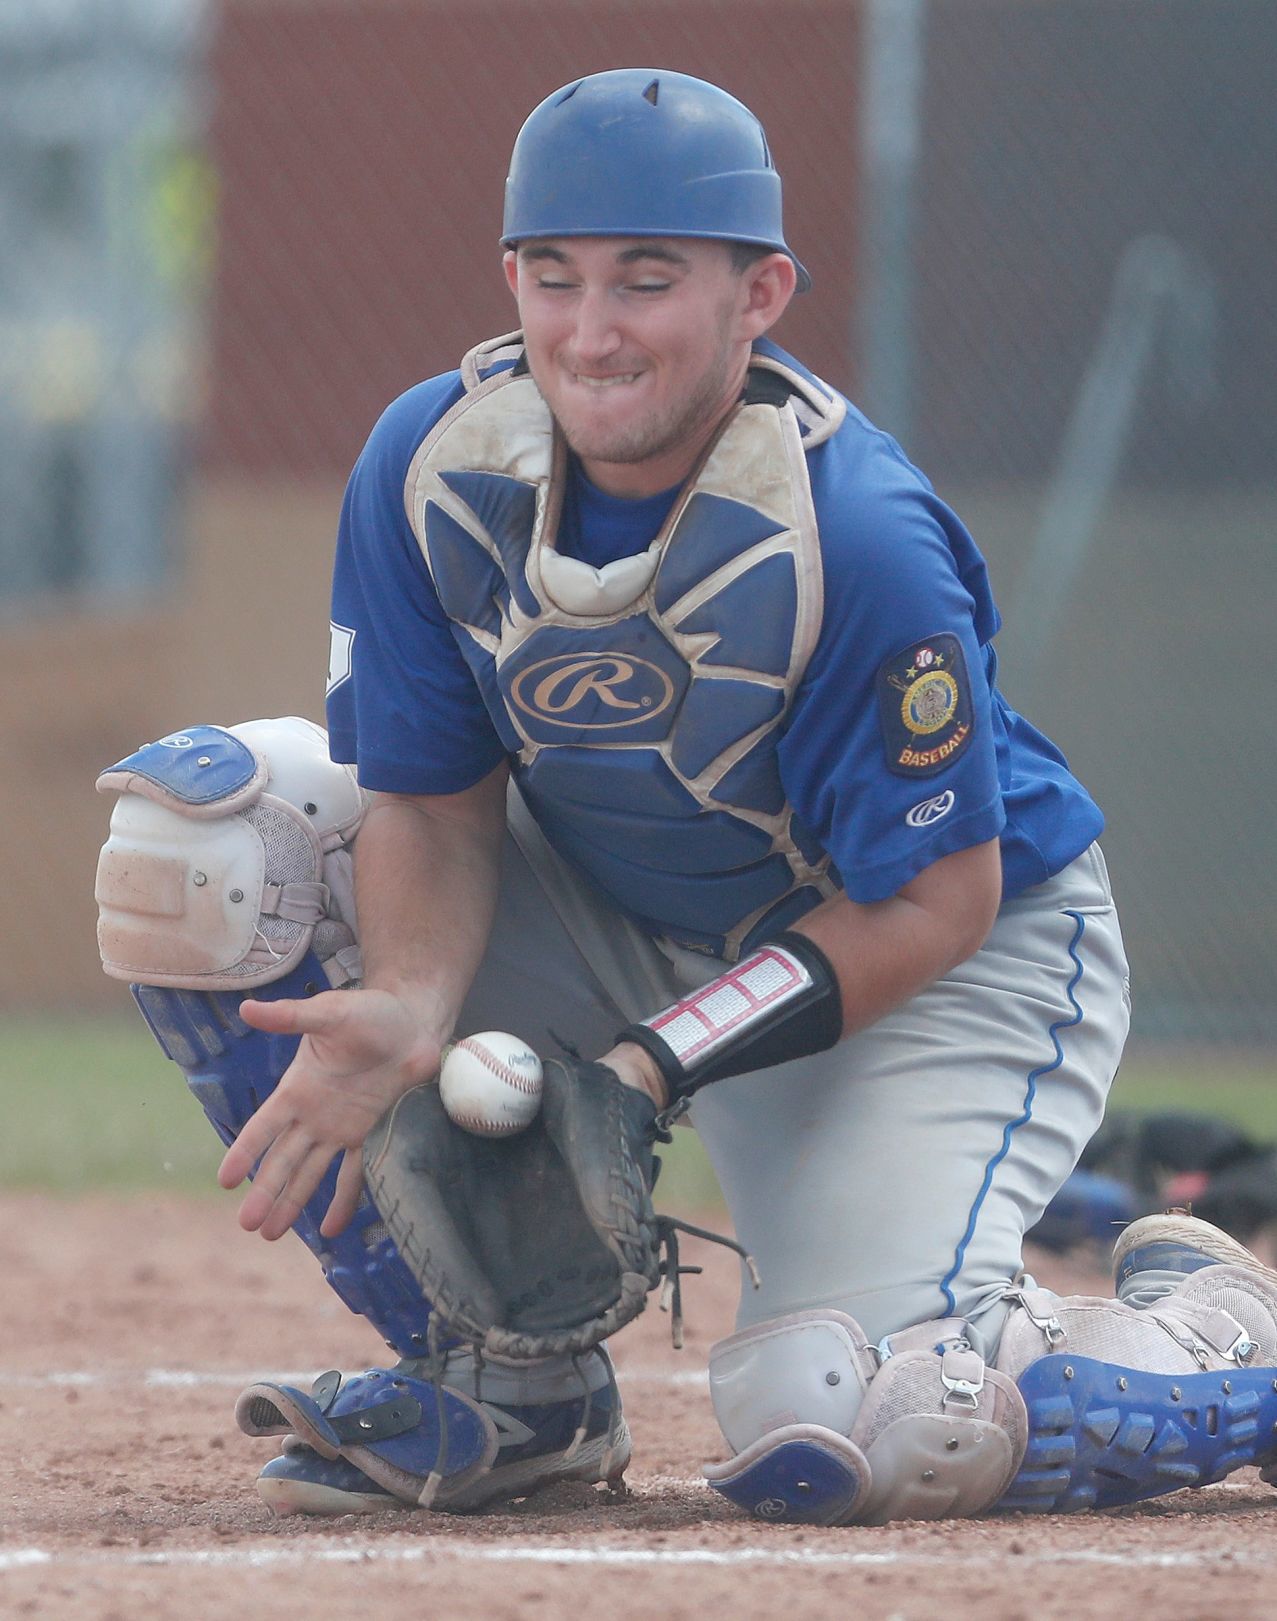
[{"x": 642, "y": 702}]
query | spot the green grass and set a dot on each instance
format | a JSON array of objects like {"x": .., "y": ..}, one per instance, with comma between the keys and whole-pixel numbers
[
  {"x": 1241, "y": 1088},
  {"x": 93, "y": 1104},
  {"x": 90, "y": 1104}
]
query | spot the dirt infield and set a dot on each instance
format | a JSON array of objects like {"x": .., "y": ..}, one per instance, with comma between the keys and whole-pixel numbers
[{"x": 129, "y": 1327}]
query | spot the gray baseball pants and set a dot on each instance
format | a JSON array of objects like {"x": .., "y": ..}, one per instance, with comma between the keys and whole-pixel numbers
[{"x": 894, "y": 1176}]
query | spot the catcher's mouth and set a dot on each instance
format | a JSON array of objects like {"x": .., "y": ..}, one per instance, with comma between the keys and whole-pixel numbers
[{"x": 611, "y": 381}]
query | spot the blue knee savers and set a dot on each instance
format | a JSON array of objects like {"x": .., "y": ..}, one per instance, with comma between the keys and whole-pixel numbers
[
  {"x": 231, "y": 1069},
  {"x": 800, "y": 1475}
]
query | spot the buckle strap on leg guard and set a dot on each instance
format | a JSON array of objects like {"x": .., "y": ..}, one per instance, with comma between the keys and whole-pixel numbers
[
  {"x": 267, "y": 1408},
  {"x": 1218, "y": 1329},
  {"x": 961, "y": 1367},
  {"x": 1039, "y": 1307},
  {"x": 962, "y": 1375}
]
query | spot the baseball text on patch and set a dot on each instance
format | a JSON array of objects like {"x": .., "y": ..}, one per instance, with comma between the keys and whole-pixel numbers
[{"x": 924, "y": 701}]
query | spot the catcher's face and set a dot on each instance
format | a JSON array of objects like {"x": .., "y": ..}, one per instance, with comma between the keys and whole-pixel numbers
[{"x": 640, "y": 345}]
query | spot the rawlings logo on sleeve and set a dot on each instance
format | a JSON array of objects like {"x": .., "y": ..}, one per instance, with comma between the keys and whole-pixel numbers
[{"x": 924, "y": 700}]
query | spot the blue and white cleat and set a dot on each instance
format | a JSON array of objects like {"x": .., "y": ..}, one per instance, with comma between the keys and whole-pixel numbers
[
  {"x": 299, "y": 1481},
  {"x": 1178, "y": 1245},
  {"x": 1172, "y": 1385},
  {"x": 386, "y": 1439}
]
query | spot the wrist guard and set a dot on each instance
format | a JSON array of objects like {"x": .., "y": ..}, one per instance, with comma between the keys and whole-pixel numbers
[{"x": 779, "y": 1003}]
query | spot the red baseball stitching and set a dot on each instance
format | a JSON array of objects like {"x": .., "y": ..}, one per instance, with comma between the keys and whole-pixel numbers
[{"x": 490, "y": 1061}]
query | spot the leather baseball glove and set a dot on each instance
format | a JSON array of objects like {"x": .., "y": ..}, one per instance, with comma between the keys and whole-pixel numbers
[{"x": 534, "y": 1245}]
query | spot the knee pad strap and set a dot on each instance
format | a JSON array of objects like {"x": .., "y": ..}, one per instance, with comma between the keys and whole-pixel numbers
[
  {"x": 413, "y": 1438},
  {"x": 943, "y": 1434}
]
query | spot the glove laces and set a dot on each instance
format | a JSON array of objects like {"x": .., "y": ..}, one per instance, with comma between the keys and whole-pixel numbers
[{"x": 673, "y": 1272}]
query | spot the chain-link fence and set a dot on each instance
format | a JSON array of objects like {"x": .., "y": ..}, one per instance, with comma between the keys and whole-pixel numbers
[
  {"x": 1087, "y": 371},
  {"x": 1041, "y": 235}
]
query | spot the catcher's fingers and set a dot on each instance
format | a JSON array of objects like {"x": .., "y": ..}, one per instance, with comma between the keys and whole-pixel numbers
[
  {"x": 308, "y": 1016},
  {"x": 285, "y": 1181},
  {"x": 272, "y": 1174},
  {"x": 350, "y": 1189},
  {"x": 259, "y": 1134}
]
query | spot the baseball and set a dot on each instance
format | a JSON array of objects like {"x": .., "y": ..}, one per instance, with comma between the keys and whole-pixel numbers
[{"x": 491, "y": 1084}]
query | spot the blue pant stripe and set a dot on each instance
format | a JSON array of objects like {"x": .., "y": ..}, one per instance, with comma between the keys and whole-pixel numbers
[{"x": 1012, "y": 1126}]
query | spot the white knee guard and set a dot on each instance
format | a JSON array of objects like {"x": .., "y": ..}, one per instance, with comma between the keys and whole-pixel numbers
[
  {"x": 830, "y": 1431},
  {"x": 786, "y": 1394},
  {"x": 944, "y": 1434},
  {"x": 229, "y": 858}
]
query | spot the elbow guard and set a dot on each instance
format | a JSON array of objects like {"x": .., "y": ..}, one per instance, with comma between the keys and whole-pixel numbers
[{"x": 778, "y": 1003}]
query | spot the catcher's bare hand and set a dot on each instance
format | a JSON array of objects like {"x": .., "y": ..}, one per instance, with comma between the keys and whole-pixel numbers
[{"x": 360, "y": 1051}]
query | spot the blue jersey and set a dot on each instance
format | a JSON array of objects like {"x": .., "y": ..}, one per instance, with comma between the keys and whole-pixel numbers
[{"x": 879, "y": 746}]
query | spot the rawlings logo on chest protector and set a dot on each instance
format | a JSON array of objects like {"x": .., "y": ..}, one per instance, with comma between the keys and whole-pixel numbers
[{"x": 592, "y": 691}]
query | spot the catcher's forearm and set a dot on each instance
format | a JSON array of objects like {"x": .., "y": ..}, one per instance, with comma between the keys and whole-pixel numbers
[
  {"x": 426, "y": 885},
  {"x": 848, "y": 966},
  {"x": 778, "y": 1003}
]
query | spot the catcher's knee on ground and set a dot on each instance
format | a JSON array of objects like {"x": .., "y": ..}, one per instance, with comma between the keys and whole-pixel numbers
[{"x": 829, "y": 1430}]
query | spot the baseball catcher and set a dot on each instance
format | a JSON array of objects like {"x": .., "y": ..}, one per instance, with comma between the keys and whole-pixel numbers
[{"x": 664, "y": 729}]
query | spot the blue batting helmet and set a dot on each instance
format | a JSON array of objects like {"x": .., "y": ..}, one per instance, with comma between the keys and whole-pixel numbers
[{"x": 644, "y": 152}]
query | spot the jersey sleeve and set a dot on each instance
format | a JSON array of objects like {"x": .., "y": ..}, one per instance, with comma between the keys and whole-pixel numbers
[
  {"x": 889, "y": 757},
  {"x": 402, "y": 704}
]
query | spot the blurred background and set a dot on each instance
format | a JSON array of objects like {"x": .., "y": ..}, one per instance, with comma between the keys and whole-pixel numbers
[{"x": 1042, "y": 235}]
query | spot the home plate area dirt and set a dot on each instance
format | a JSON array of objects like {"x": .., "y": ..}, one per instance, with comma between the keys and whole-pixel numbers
[{"x": 129, "y": 1327}]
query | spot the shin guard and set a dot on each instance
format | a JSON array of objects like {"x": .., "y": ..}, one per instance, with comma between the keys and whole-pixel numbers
[{"x": 232, "y": 1069}]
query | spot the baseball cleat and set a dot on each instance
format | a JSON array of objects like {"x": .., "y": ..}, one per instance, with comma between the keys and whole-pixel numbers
[
  {"x": 1176, "y": 1242},
  {"x": 424, "y": 1448},
  {"x": 299, "y": 1481}
]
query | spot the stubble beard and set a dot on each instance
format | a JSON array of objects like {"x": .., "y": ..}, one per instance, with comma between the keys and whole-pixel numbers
[{"x": 656, "y": 434}]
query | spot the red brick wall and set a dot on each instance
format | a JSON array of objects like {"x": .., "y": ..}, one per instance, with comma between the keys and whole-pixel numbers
[{"x": 362, "y": 153}]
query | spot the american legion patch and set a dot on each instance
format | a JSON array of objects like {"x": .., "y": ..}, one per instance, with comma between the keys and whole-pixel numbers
[{"x": 924, "y": 699}]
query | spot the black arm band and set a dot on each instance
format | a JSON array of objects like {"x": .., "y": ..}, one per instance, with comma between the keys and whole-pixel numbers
[{"x": 778, "y": 1003}]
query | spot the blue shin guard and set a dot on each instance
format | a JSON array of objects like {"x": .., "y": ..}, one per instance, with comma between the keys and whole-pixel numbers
[
  {"x": 409, "y": 1437},
  {"x": 232, "y": 1069},
  {"x": 386, "y": 1437},
  {"x": 1101, "y": 1435}
]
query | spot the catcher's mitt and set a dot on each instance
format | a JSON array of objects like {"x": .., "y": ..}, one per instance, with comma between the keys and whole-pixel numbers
[{"x": 534, "y": 1245}]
